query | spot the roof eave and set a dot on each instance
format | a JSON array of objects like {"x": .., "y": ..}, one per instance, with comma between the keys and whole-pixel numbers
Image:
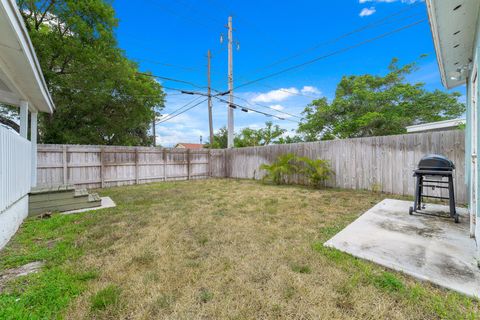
[
  {"x": 436, "y": 41},
  {"x": 16, "y": 21}
]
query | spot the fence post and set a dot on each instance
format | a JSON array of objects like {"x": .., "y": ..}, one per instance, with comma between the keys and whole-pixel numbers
[
  {"x": 102, "y": 167},
  {"x": 65, "y": 165},
  {"x": 164, "y": 164},
  {"x": 188, "y": 164},
  {"x": 136, "y": 165},
  {"x": 225, "y": 163},
  {"x": 209, "y": 164}
]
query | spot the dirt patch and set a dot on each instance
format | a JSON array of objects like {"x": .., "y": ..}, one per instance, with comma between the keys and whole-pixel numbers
[{"x": 7, "y": 275}]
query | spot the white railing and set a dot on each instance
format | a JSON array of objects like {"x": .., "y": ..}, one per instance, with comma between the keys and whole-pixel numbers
[{"x": 15, "y": 167}]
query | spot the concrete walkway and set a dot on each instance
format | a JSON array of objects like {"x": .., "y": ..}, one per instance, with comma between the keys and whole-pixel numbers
[
  {"x": 429, "y": 248},
  {"x": 107, "y": 202}
]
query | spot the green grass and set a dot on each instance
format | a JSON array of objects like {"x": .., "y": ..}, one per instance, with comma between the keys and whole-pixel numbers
[
  {"x": 106, "y": 298},
  {"x": 45, "y": 294},
  {"x": 301, "y": 268},
  {"x": 214, "y": 249}
]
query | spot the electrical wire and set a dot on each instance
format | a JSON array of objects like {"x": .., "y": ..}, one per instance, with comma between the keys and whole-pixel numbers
[
  {"x": 180, "y": 109},
  {"x": 333, "y": 53},
  {"x": 165, "y": 64},
  {"x": 343, "y": 36},
  {"x": 235, "y": 105},
  {"x": 176, "y": 115},
  {"x": 267, "y": 107},
  {"x": 172, "y": 79},
  {"x": 184, "y": 17}
]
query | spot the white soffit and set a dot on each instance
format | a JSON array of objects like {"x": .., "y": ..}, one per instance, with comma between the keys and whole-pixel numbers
[
  {"x": 19, "y": 67},
  {"x": 453, "y": 24}
]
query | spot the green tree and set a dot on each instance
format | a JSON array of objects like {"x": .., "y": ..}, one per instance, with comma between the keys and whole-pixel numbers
[
  {"x": 99, "y": 96},
  {"x": 370, "y": 105},
  {"x": 220, "y": 139},
  {"x": 289, "y": 139},
  {"x": 248, "y": 137},
  {"x": 259, "y": 137}
]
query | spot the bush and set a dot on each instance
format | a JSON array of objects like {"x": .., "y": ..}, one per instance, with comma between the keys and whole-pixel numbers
[
  {"x": 281, "y": 171},
  {"x": 315, "y": 171}
]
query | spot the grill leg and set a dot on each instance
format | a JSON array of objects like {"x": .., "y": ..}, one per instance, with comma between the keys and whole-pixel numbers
[
  {"x": 418, "y": 194},
  {"x": 451, "y": 193}
]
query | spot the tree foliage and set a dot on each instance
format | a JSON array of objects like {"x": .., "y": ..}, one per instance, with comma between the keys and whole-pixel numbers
[
  {"x": 248, "y": 137},
  {"x": 99, "y": 96},
  {"x": 259, "y": 137},
  {"x": 370, "y": 105}
]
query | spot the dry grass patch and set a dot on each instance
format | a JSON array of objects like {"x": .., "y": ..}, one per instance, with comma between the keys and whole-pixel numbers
[{"x": 227, "y": 249}]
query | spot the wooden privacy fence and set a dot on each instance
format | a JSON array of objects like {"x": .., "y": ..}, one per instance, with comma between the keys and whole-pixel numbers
[
  {"x": 375, "y": 163},
  {"x": 106, "y": 166}
]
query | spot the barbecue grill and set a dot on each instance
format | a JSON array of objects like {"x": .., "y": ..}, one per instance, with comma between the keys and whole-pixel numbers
[{"x": 435, "y": 172}]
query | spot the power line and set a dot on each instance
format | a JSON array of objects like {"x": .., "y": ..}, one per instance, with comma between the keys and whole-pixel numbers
[
  {"x": 204, "y": 14},
  {"x": 180, "y": 109},
  {"x": 187, "y": 18},
  {"x": 333, "y": 53},
  {"x": 332, "y": 41},
  {"x": 165, "y": 64},
  {"x": 172, "y": 79},
  {"x": 267, "y": 107},
  {"x": 176, "y": 115},
  {"x": 342, "y": 36},
  {"x": 235, "y": 105}
]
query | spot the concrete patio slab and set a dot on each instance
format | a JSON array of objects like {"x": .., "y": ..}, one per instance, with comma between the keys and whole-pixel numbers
[{"x": 430, "y": 248}]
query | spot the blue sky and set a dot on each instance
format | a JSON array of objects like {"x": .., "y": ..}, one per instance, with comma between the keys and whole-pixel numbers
[{"x": 171, "y": 39}]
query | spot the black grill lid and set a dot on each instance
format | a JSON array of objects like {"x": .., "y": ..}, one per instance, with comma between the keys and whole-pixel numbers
[{"x": 435, "y": 162}]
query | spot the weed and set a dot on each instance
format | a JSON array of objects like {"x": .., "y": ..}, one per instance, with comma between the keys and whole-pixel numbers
[
  {"x": 388, "y": 281},
  {"x": 301, "y": 268},
  {"x": 205, "y": 295},
  {"x": 106, "y": 297}
]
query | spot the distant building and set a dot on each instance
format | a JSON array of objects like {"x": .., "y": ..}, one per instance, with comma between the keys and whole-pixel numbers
[
  {"x": 436, "y": 126},
  {"x": 189, "y": 146}
]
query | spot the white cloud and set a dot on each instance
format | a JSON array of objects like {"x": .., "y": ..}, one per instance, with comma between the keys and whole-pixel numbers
[
  {"x": 276, "y": 95},
  {"x": 171, "y": 135},
  {"x": 310, "y": 89},
  {"x": 367, "y": 12},
  {"x": 277, "y": 107}
]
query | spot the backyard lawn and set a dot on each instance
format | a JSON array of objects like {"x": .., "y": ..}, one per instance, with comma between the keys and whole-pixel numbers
[{"x": 211, "y": 249}]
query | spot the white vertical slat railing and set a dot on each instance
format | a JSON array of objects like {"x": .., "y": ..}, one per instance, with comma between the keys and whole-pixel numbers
[{"x": 15, "y": 167}]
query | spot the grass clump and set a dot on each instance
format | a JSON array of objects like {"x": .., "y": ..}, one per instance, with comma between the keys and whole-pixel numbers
[
  {"x": 299, "y": 268},
  {"x": 389, "y": 282},
  {"x": 205, "y": 295},
  {"x": 105, "y": 298}
]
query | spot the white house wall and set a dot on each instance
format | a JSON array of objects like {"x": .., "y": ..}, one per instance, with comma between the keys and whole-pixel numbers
[
  {"x": 469, "y": 128},
  {"x": 12, "y": 218}
]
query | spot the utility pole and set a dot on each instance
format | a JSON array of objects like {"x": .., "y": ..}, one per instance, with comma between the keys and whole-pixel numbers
[
  {"x": 210, "y": 118},
  {"x": 230, "y": 125},
  {"x": 154, "y": 131}
]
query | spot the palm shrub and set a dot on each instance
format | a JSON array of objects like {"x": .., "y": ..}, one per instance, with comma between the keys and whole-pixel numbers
[
  {"x": 316, "y": 171},
  {"x": 280, "y": 171}
]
